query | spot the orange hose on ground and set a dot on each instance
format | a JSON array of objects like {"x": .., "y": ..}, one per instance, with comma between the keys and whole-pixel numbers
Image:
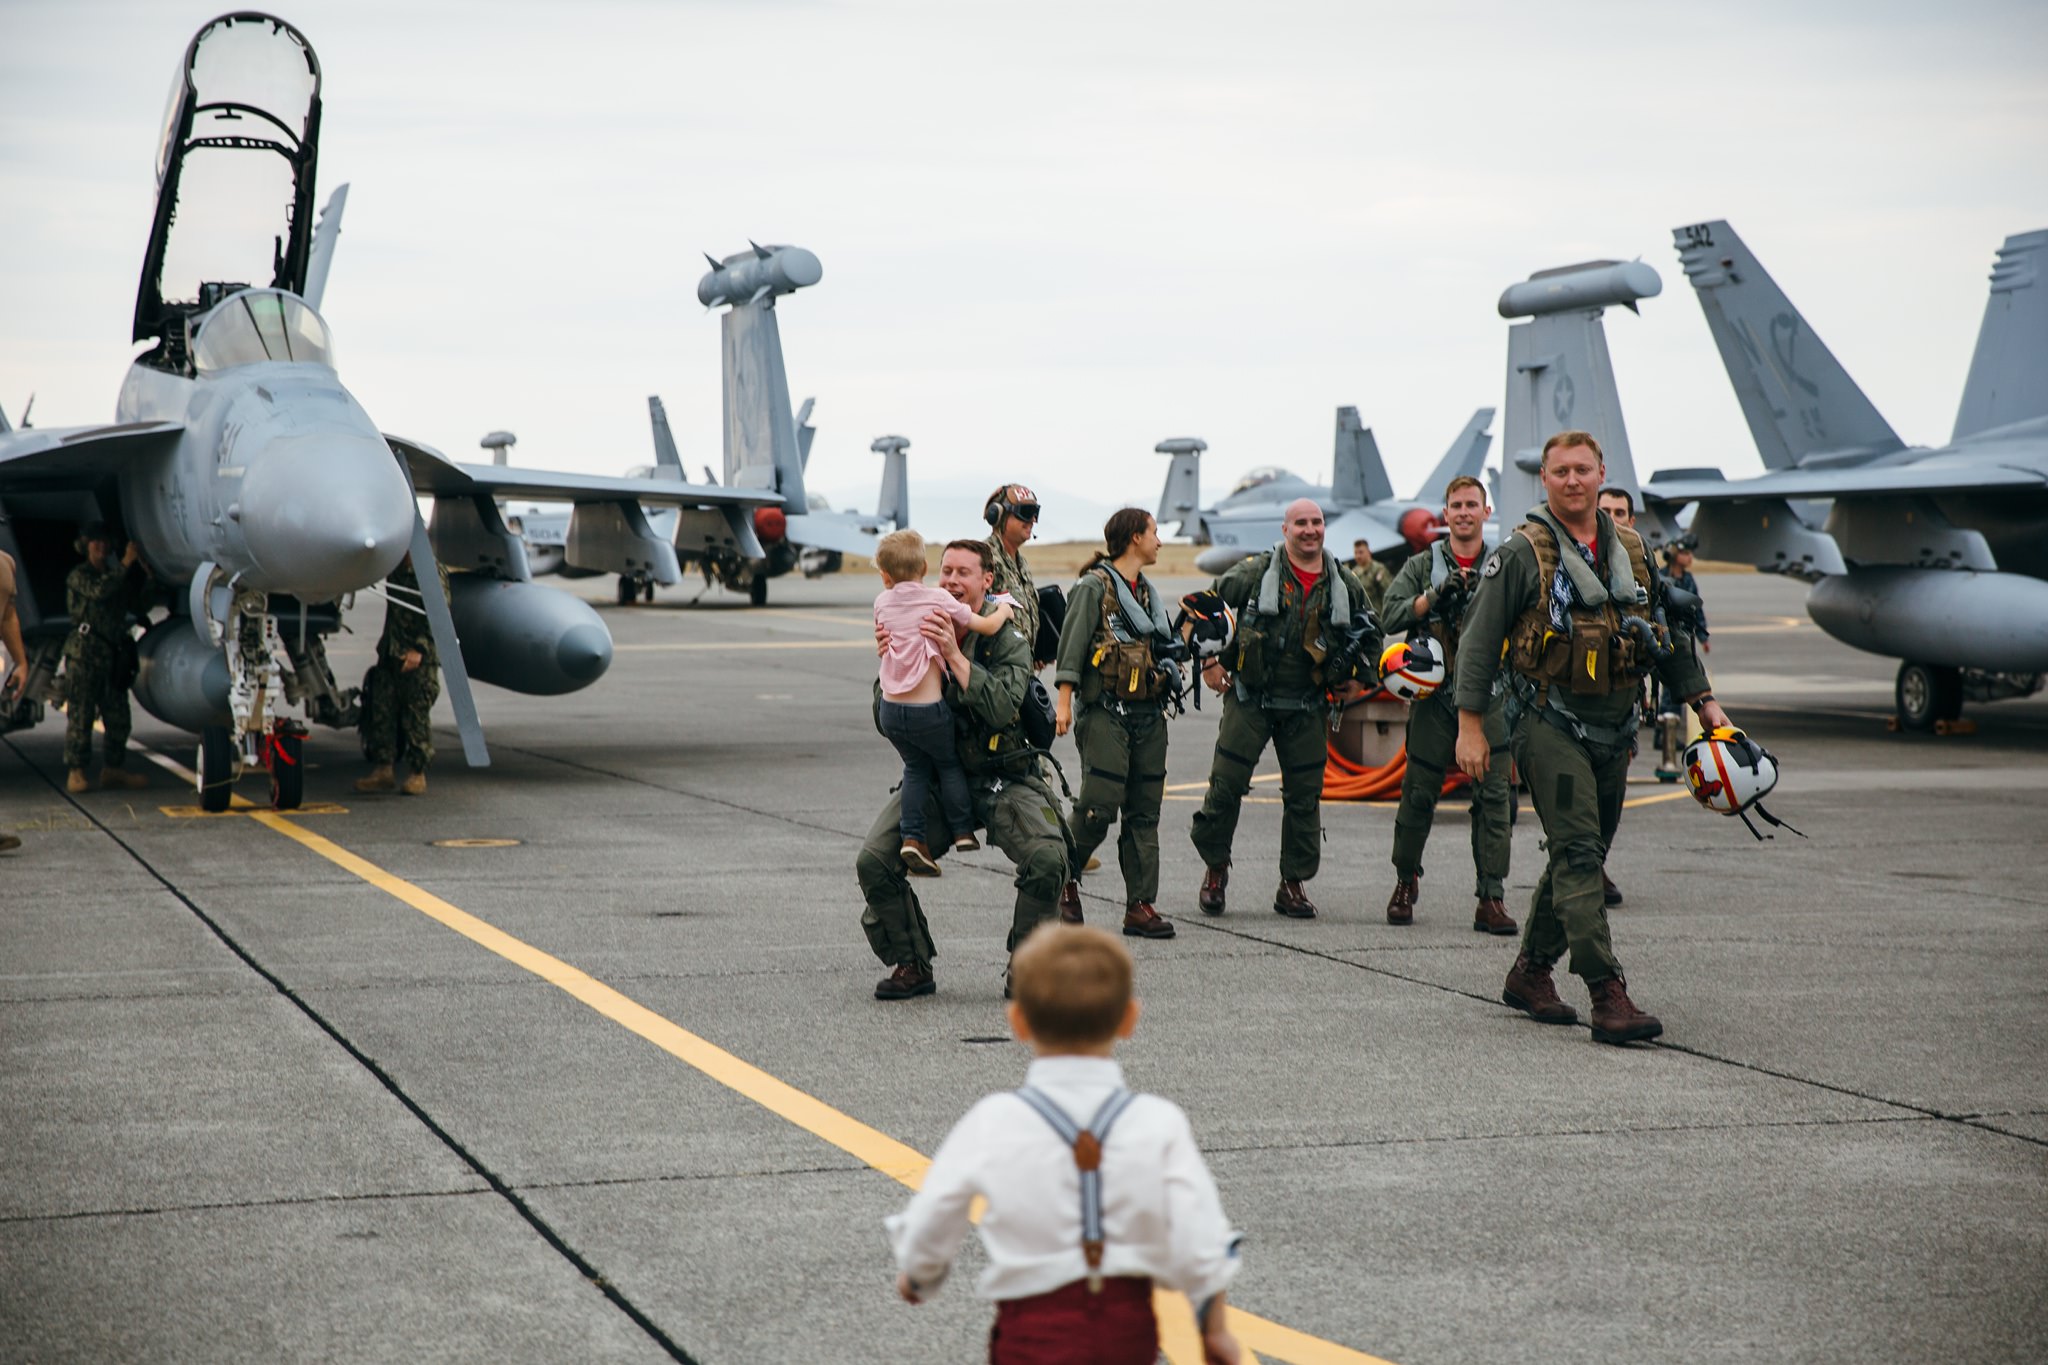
[{"x": 1344, "y": 780}]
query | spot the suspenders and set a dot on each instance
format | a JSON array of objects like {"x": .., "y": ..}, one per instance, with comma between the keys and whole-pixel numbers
[{"x": 1087, "y": 1144}]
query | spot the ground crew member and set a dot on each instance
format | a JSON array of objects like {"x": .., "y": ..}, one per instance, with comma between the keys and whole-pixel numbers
[
  {"x": 1116, "y": 620},
  {"x": 17, "y": 658},
  {"x": 1372, "y": 576},
  {"x": 1428, "y": 600},
  {"x": 1293, "y": 603},
  {"x": 984, "y": 684},
  {"x": 1012, "y": 517},
  {"x": 1617, "y": 502},
  {"x": 404, "y": 685},
  {"x": 99, "y": 656},
  {"x": 1568, "y": 596}
]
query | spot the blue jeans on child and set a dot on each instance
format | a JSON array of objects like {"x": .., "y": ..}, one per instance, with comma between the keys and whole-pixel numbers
[{"x": 923, "y": 734}]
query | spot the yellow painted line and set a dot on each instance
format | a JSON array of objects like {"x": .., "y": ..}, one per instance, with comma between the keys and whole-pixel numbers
[
  {"x": 1203, "y": 785},
  {"x": 238, "y": 811},
  {"x": 1653, "y": 800},
  {"x": 872, "y": 1146},
  {"x": 711, "y": 647},
  {"x": 1770, "y": 626}
]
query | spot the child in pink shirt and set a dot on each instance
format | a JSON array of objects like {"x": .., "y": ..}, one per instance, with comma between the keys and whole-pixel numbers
[{"x": 913, "y": 713}]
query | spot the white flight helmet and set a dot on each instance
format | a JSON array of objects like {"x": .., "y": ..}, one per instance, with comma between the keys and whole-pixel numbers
[
  {"x": 1207, "y": 623},
  {"x": 1412, "y": 670},
  {"x": 1731, "y": 773}
]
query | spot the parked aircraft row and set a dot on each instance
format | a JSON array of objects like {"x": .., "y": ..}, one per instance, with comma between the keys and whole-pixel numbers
[{"x": 261, "y": 494}]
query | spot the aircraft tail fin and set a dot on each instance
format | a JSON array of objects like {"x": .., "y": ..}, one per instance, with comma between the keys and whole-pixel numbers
[
  {"x": 2005, "y": 383},
  {"x": 1466, "y": 457},
  {"x": 893, "y": 503},
  {"x": 668, "y": 461},
  {"x": 326, "y": 233},
  {"x": 1559, "y": 375},
  {"x": 1798, "y": 399},
  {"x": 1180, "y": 501},
  {"x": 1357, "y": 474}
]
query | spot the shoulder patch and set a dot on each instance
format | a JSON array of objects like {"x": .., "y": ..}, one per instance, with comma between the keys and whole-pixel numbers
[{"x": 1493, "y": 563}]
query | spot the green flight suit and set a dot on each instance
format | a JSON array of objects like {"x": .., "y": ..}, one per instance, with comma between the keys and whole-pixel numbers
[
  {"x": 99, "y": 657},
  {"x": 1432, "y": 749},
  {"x": 1576, "y": 783},
  {"x": 1122, "y": 744},
  {"x": 399, "y": 722},
  {"x": 1012, "y": 800},
  {"x": 1013, "y": 576},
  {"x": 1289, "y": 711},
  {"x": 1375, "y": 578}
]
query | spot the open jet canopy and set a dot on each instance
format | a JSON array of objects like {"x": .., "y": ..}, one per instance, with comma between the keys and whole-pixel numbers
[
  {"x": 258, "y": 325},
  {"x": 235, "y": 173}
]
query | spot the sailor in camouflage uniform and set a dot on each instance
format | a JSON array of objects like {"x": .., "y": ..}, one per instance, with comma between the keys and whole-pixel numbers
[
  {"x": 99, "y": 656},
  {"x": 403, "y": 687}
]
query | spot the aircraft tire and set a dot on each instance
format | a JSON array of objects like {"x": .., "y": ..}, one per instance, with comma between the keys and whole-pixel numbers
[
  {"x": 757, "y": 592},
  {"x": 629, "y": 591},
  {"x": 1925, "y": 694},
  {"x": 216, "y": 769},
  {"x": 647, "y": 591},
  {"x": 288, "y": 772}
]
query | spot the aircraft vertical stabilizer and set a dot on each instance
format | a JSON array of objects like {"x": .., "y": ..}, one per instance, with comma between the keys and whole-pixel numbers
[
  {"x": 893, "y": 503},
  {"x": 1467, "y": 456},
  {"x": 1798, "y": 399},
  {"x": 1180, "y": 501},
  {"x": 761, "y": 449},
  {"x": 1359, "y": 475},
  {"x": 2009, "y": 373},
  {"x": 668, "y": 461},
  {"x": 1559, "y": 376}
]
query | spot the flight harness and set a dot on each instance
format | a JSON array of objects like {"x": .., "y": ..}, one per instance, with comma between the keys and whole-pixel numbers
[
  {"x": 1441, "y": 566},
  {"x": 1251, "y": 637},
  {"x": 1608, "y": 638},
  {"x": 1086, "y": 1144},
  {"x": 1128, "y": 648}
]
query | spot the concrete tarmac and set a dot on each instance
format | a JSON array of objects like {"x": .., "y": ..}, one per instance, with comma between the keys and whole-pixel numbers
[{"x": 334, "y": 1088}]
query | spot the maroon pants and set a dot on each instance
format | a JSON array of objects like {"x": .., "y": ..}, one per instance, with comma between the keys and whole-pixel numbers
[{"x": 1070, "y": 1326}]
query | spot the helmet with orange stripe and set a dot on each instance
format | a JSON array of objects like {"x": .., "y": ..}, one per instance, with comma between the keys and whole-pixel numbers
[
  {"x": 1731, "y": 773},
  {"x": 1412, "y": 669}
]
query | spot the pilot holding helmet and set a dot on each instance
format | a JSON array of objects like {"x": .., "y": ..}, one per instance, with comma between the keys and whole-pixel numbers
[{"x": 1569, "y": 597}]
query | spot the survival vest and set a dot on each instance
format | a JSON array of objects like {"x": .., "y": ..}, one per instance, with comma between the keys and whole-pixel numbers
[
  {"x": 1266, "y": 634},
  {"x": 1597, "y": 652},
  {"x": 1442, "y": 564},
  {"x": 1125, "y": 636}
]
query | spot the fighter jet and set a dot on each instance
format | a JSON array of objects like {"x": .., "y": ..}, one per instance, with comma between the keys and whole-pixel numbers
[
  {"x": 1935, "y": 557},
  {"x": 1358, "y": 503},
  {"x": 259, "y": 492}
]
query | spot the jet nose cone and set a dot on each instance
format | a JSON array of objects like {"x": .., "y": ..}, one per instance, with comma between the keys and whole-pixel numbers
[
  {"x": 326, "y": 514},
  {"x": 584, "y": 653}
]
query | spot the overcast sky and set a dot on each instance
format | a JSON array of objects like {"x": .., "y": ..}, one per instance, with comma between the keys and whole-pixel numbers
[{"x": 1056, "y": 233}]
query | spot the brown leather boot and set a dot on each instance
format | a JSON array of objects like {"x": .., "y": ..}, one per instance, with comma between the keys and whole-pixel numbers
[
  {"x": 1070, "y": 903},
  {"x": 909, "y": 979},
  {"x": 415, "y": 784},
  {"x": 74, "y": 781},
  {"x": 1214, "y": 879},
  {"x": 1290, "y": 900},
  {"x": 1609, "y": 893},
  {"x": 1616, "y": 1018},
  {"x": 1142, "y": 921},
  {"x": 1490, "y": 916},
  {"x": 1401, "y": 905},
  {"x": 112, "y": 778},
  {"x": 381, "y": 779},
  {"x": 1529, "y": 989},
  {"x": 917, "y": 859}
]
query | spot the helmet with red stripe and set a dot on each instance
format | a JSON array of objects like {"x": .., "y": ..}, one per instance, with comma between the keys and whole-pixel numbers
[
  {"x": 1728, "y": 771},
  {"x": 1412, "y": 669}
]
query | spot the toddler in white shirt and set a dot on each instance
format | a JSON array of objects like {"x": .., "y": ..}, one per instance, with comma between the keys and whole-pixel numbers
[{"x": 1095, "y": 1194}]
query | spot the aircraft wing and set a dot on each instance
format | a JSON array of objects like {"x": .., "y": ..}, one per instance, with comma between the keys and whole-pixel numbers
[
  {"x": 435, "y": 474},
  {"x": 847, "y": 535},
  {"x": 1360, "y": 523},
  {"x": 1927, "y": 476},
  {"x": 79, "y": 455}
]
